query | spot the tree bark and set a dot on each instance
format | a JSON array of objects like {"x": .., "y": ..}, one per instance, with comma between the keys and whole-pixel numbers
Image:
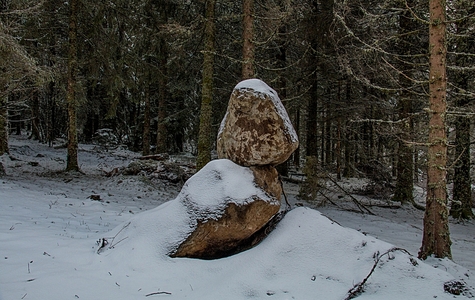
[
  {"x": 338, "y": 149},
  {"x": 35, "y": 116},
  {"x": 162, "y": 130},
  {"x": 461, "y": 207},
  {"x": 248, "y": 47},
  {"x": 462, "y": 193},
  {"x": 204, "y": 138},
  {"x": 72, "y": 157},
  {"x": 436, "y": 236},
  {"x": 146, "y": 122},
  {"x": 3, "y": 125},
  {"x": 405, "y": 163}
]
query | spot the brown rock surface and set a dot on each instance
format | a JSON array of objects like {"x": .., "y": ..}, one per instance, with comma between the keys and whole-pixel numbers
[
  {"x": 217, "y": 238},
  {"x": 219, "y": 234},
  {"x": 256, "y": 129},
  {"x": 267, "y": 178}
]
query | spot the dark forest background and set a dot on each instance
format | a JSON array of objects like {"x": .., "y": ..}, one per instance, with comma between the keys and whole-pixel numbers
[{"x": 353, "y": 75}]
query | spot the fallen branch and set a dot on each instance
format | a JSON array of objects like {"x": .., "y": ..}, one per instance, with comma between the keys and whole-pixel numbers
[
  {"x": 356, "y": 290},
  {"x": 358, "y": 204},
  {"x": 288, "y": 207},
  {"x": 158, "y": 157},
  {"x": 158, "y": 293},
  {"x": 103, "y": 242}
]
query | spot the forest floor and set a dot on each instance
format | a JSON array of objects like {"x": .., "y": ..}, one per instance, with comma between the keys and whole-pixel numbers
[{"x": 50, "y": 220}]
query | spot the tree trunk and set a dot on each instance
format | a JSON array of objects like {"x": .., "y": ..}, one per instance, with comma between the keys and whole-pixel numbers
[
  {"x": 162, "y": 130},
  {"x": 328, "y": 137},
  {"x": 35, "y": 116},
  {"x": 461, "y": 207},
  {"x": 296, "y": 157},
  {"x": 3, "y": 125},
  {"x": 338, "y": 149},
  {"x": 405, "y": 163},
  {"x": 348, "y": 170},
  {"x": 146, "y": 123},
  {"x": 204, "y": 138},
  {"x": 248, "y": 47},
  {"x": 72, "y": 158},
  {"x": 462, "y": 193},
  {"x": 436, "y": 236},
  {"x": 312, "y": 141}
]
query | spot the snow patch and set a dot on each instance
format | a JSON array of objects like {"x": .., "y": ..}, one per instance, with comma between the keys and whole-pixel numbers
[{"x": 48, "y": 230}]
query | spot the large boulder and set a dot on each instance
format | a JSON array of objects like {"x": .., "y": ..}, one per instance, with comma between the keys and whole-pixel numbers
[
  {"x": 229, "y": 203},
  {"x": 256, "y": 129}
]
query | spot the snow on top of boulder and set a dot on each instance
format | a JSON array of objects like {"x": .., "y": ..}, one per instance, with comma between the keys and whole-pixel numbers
[
  {"x": 217, "y": 184},
  {"x": 256, "y": 85},
  {"x": 260, "y": 87}
]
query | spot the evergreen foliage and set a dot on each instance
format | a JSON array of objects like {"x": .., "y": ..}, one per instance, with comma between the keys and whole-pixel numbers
[{"x": 353, "y": 76}]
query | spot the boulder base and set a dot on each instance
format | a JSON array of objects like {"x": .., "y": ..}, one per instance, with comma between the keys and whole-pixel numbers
[
  {"x": 229, "y": 203},
  {"x": 256, "y": 129},
  {"x": 221, "y": 237}
]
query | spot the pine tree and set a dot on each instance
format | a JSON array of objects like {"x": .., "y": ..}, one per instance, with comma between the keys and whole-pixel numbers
[
  {"x": 204, "y": 138},
  {"x": 248, "y": 48},
  {"x": 405, "y": 164},
  {"x": 72, "y": 157},
  {"x": 436, "y": 236},
  {"x": 461, "y": 207}
]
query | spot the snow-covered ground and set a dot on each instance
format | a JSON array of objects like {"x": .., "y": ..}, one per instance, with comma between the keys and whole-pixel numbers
[{"x": 49, "y": 227}]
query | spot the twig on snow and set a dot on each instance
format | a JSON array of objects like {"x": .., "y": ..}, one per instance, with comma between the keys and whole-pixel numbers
[
  {"x": 103, "y": 242},
  {"x": 158, "y": 293},
  {"x": 361, "y": 207},
  {"x": 125, "y": 226},
  {"x": 356, "y": 290}
]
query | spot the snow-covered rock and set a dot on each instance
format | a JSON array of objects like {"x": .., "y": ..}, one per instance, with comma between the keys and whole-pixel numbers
[
  {"x": 217, "y": 208},
  {"x": 256, "y": 129}
]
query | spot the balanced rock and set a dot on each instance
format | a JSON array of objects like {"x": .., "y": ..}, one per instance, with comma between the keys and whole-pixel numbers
[
  {"x": 256, "y": 129},
  {"x": 227, "y": 204}
]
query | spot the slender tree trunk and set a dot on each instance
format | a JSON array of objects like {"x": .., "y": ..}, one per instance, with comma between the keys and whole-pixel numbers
[
  {"x": 338, "y": 149},
  {"x": 204, "y": 138},
  {"x": 461, "y": 207},
  {"x": 281, "y": 83},
  {"x": 51, "y": 113},
  {"x": 436, "y": 236},
  {"x": 328, "y": 137},
  {"x": 248, "y": 47},
  {"x": 405, "y": 163},
  {"x": 416, "y": 165},
  {"x": 72, "y": 158},
  {"x": 312, "y": 134},
  {"x": 35, "y": 117},
  {"x": 146, "y": 122},
  {"x": 3, "y": 125},
  {"x": 348, "y": 170},
  {"x": 296, "y": 157},
  {"x": 162, "y": 130},
  {"x": 462, "y": 193}
]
